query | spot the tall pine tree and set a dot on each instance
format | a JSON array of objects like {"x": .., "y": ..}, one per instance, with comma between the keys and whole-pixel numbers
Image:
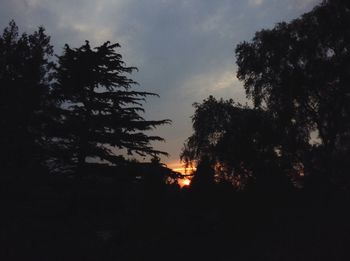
[{"x": 100, "y": 113}]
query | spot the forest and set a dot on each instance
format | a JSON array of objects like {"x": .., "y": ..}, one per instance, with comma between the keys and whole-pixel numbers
[{"x": 81, "y": 178}]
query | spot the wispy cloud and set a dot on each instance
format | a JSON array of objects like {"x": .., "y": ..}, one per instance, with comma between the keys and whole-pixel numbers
[
  {"x": 255, "y": 2},
  {"x": 218, "y": 83},
  {"x": 184, "y": 49}
]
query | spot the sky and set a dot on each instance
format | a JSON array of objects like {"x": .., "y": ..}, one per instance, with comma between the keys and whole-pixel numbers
[{"x": 184, "y": 49}]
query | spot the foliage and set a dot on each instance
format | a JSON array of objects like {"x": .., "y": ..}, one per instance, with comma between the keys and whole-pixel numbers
[
  {"x": 240, "y": 143},
  {"x": 297, "y": 75},
  {"x": 24, "y": 87},
  {"x": 299, "y": 71},
  {"x": 100, "y": 112},
  {"x": 59, "y": 115}
]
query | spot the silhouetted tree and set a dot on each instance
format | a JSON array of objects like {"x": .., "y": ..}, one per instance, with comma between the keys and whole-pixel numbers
[
  {"x": 100, "y": 112},
  {"x": 24, "y": 88},
  {"x": 235, "y": 144},
  {"x": 204, "y": 176},
  {"x": 299, "y": 71}
]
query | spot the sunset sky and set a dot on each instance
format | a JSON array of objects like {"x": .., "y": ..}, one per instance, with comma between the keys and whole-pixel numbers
[{"x": 184, "y": 49}]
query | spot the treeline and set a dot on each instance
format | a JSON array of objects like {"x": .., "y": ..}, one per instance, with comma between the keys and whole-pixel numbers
[
  {"x": 297, "y": 132},
  {"x": 61, "y": 113},
  {"x": 271, "y": 180}
]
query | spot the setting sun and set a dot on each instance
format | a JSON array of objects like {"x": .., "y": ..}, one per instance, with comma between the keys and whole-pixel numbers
[
  {"x": 179, "y": 167},
  {"x": 184, "y": 182}
]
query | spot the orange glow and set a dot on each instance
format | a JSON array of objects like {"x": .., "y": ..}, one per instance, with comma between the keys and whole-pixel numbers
[
  {"x": 183, "y": 170},
  {"x": 187, "y": 182},
  {"x": 184, "y": 182},
  {"x": 179, "y": 167}
]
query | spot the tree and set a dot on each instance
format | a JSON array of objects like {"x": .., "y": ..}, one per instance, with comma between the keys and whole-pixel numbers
[
  {"x": 24, "y": 87},
  {"x": 239, "y": 143},
  {"x": 299, "y": 71},
  {"x": 100, "y": 112}
]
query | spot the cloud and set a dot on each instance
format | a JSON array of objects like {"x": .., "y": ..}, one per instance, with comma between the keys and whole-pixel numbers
[
  {"x": 184, "y": 48},
  {"x": 255, "y": 2},
  {"x": 218, "y": 83},
  {"x": 303, "y": 4}
]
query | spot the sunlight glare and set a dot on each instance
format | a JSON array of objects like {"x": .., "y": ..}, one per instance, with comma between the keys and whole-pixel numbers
[{"x": 186, "y": 182}]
